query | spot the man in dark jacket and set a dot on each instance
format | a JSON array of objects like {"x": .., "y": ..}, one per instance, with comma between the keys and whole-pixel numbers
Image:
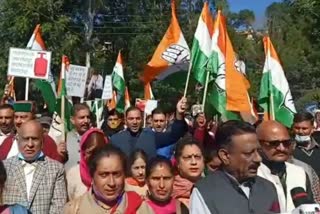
[
  {"x": 235, "y": 188},
  {"x": 135, "y": 137}
]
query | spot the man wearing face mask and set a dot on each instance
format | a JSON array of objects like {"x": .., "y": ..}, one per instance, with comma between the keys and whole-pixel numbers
[
  {"x": 307, "y": 149},
  {"x": 112, "y": 123},
  {"x": 34, "y": 180},
  {"x": 275, "y": 145}
]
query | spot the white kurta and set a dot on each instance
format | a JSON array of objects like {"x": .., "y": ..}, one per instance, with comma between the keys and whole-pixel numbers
[
  {"x": 296, "y": 177},
  {"x": 197, "y": 203}
]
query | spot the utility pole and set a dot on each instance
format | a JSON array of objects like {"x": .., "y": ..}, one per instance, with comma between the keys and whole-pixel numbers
[{"x": 89, "y": 30}]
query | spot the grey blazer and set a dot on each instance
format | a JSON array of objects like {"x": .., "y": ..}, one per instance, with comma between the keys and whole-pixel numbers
[{"x": 48, "y": 193}]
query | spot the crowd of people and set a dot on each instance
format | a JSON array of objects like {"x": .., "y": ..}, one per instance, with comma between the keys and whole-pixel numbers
[{"x": 176, "y": 164}]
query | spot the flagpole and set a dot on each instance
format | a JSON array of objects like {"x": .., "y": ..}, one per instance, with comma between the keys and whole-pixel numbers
[
  {"x": 26, "y": 97},
  {"x": 188, "y": 79},
  {"x": 272, "y": 107},
  {"x": 205, "y": 90},
  {"x": 63, "y": 101}
]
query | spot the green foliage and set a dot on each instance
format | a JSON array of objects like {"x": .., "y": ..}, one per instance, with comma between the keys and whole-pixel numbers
[{"x": 136, "y": 28}]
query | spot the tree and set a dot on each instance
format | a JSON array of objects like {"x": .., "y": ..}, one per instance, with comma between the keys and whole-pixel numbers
[{"x": 17, "y": 21}]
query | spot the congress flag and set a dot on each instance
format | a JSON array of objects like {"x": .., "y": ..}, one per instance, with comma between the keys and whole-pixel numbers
[
  {"x": 201, "y": 46},
  {"x": 127, "y": 99},
  {"x": 172, "y": 54},
  {"x": 46, "y": 87},
  {"x": 119, "y": 84},
  {"x": 275, "y": 95},
  {"x": 148, "y": 94},
  {"x": 229, "y": 92}
]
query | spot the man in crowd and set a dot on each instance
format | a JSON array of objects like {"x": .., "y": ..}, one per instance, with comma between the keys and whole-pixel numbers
[
  {"x": 95, "y": 86},
  {"x": 235, "y": 187},
  {"x": 275, "y": 149},
  {"x": 112, "y": 123},
  {"x": 313, "y": 177},
  {"x": 307, "y": 149},
  {"x": 135, "y": 137},
  {"x": 23, "y": 112},
  {"x": 6, "y": 121},
  {"x": 33, "y": 180},
  {"x": 81, "y": 122},
  {"x": 159, "y": 124}
]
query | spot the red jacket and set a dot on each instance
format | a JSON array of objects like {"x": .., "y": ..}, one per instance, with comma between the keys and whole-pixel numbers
[{"x": 49, "y": 148}]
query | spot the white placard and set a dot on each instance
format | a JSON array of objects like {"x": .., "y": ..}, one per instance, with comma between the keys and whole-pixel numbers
[
  {"x": 107, "y": 88},
  {"x": 76, "y": 79},
  {"x": 29, "y": 63},
  {"x": 150, "y": 106}
]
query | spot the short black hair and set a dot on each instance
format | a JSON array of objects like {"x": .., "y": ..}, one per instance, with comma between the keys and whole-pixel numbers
[
  {"x": 154, "y": 162},
  {"x": 132, "y": 108},
  {"x": 138, "y": 153},
  {"x": 6, "y": 106},
  {"x": 209, "y": 153},
  {"x": 231, "y": 128},
  {"x": 113, "y": 112},
  {"x": 78, "y": 107},
  {"x": 106, "y": 151},
  {"x": 303, "y": 116},
  {"x": 183, "y": 142},
  {"x": 158, "y": 111}
]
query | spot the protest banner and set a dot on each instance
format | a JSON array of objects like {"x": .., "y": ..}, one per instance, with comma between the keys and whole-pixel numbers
[
  {"x": 76, "y": 79},
  {"x": 107, "y": 88},
  {"x": 29, "y": 63},
  {"x": 150, "y": 106}
]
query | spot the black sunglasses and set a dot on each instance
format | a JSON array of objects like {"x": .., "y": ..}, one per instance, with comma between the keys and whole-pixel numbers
[{"x": 276, "y": 143}]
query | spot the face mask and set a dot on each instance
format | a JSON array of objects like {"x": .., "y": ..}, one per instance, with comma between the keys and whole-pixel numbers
[
  {"x": 301, "y": 139},
  {"x": 114, "y": 125},
  {"x": 36, "y": 157}
]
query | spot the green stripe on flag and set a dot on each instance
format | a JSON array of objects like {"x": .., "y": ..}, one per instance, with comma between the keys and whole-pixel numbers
[{"x": 199, "y": 63}]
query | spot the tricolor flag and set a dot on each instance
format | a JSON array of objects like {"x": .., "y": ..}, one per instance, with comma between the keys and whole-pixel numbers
[
  {"x": 46, "y": 87},
  {"x": 112, "y": 103},
  {"x": 201, "y": 46},
  {"x": 119, "y": 84},
  {"x": 172, "y": 54},
  {"x": 96, "y": 107},
  {"x": 127, "y": 99},
  {"x": 229, "y": 92},
  {"x": 275, "y": 95},
  {"x": 61, "y": 123},
  {"x": 148, "y": 95},
  {"x": 62, "y": 89}
]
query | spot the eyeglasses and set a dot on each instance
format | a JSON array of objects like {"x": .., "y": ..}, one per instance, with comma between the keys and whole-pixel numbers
[{"x": 276, "y": 143}]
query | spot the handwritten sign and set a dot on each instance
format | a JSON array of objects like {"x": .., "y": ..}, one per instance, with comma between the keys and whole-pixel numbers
[
  {"x": 76, "y": 78},
  {"x": 107, "y": 88},
  {"x": 29, "y": 63}
]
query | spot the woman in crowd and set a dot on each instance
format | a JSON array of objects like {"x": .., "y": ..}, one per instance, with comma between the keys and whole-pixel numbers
[
  {"x": 201, "y": 131},
  {"x": 190, "y": 165},
  {"x": 78, "y": 177},
  {"x": 12, "y": 209},
  {"x": 137, "y": 173},
  {"x": 212, "y": 160},
  {"x": 107, "y": 169},
  {"x": 160, "y": 178}
]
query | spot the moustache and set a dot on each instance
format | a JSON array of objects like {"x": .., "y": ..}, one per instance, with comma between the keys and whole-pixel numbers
[{"x": 281, "y": 153}]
